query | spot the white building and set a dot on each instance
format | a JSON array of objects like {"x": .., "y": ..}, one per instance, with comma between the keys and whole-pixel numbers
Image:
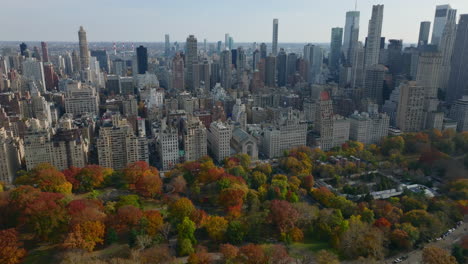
[
  {"x": 168, "y": 147},
  {"x": 410, "y": 113},
  {"x": 219, "y": 138},
  {"x": 195, "y": 139},
  {"x": 33, "y": 71},
  {"x": 367, "y": 128},
  {"x": 81, "y": 99}
]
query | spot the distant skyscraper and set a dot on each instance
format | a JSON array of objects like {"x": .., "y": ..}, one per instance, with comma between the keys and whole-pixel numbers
[
  {"x": 351, "y": 33},
  {"x": 281, "y": 61},
  {"x": 167, "y": 45},
  {"x": 142, "y": 59},
  {"x": 84, "y": 52},
  {"x": 274, "y": 46},
  {"x": 190, "y": 59},
  {"x": 335, "y": 49},
  {"x": 291, "y": 67},
  {"x": 458, "y": 76},
  {"x": 218, "y": 48},
  {"x": 270, "y": 70},
  {"x": 443, "y": 14},
  {"x": 226, "y": 62},
  {"x": 33, "y": 71},
  {"x": 424, "y": 30},
  {"x": 373, "y": 83},
  {"x": 263, "y": 51},
  {"x": 255, "y": 59},
  {"x": 231, "y": 43},
  {"x": 226, "y": 41},
  {"x": 178, "y": 73},
  {"x": 45, "y": 52},
  {"x": 23, "y": 48},
  {"x": 374, "y": 36},
  {"x": 103, "y": 58},
  {"x": 313, "y": 55},
  {"x": 446, "y": 49},
  {"x": 395, "y": 56}
]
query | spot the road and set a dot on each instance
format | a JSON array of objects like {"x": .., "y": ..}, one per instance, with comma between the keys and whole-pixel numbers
[{"x": 415, "y": 256}]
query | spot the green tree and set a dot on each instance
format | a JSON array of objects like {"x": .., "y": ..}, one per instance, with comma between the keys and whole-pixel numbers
[
  {"x": 235, "y": 232},
  {"x": 186, "y": 230}
]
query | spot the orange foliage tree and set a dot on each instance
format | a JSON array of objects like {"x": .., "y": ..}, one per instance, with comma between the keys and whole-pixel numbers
[{"x": 10, "y": 248}]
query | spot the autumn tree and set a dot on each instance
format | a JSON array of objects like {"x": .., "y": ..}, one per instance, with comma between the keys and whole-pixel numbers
[
  {"x": 252, "y": 254},
  {"x": 435, "y": 255},
  {"x": 153, "y": 222},
  {"x": 362, "y": 240},
  {"x": 47, "y": 178},
  {"x": 279, "y": 255},
  {"x": 180, "y": 209},
  {"x": 216, "y": 227},
  {"x": 326, "y": 257},
  {"x": 283, "y": 215},
  {"x": 201, "y": 256},
  {"x": 229, "y": 252},
  {"x": 10, "y": 247},
  {"x": 85, "y": 235},
  {"x": 127, "y": 217},
  {"x": 143, "y": 178},
  {"x": 92, "y": 176}
]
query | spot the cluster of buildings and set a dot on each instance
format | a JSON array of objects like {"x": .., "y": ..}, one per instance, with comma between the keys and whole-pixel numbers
[{"x": 171, "y": 103}]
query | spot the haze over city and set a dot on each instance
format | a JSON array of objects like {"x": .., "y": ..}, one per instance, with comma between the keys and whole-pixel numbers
[{"x": 248, "y": 21}]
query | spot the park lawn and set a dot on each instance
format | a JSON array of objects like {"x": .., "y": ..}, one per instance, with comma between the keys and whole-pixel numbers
[
  {"x": 40, "y": 255},
  {"x": 310, "y": 245}
]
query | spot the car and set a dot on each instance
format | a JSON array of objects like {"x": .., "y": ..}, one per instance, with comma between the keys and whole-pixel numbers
[{"x": 398, "y": 260}]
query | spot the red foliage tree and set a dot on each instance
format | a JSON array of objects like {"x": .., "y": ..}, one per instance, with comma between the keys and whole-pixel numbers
[
  {"x": 252, "y": 254},
  {"x": 283, "y": 215},
  {"x": 134, "y": 171},
  {"x": 149, "y": 184},
  {"x": 126, "y": 218},
  {"x": 382, "y": 223}
]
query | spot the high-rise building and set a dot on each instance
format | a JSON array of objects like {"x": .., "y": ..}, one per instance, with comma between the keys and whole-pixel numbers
[
  {"x": 459, "y": 113},
  {"x": 410, "y": 112},
  {"x": 168, "y": 147},
  {"x": 33, "y": 71},
  {"x": 226, "y": 41},
  {"x": 23, "y": 48},
  {"x": 84, "y": 52},
  {"x": 167, "y": 45},
  {"x": 374, "y": 82},
  {"x": 459, "y": 68},
  {"x": 289, "y": 133},
  {"x": 446, "y": 49},
  {"x": 351, "y": 34},
  {"x": 178, "y": 82},
  {"x": 191, "y": 59},
  {"x": 281, "y": 61},
  {"x": 395, "y": 56},
  {"x": 226, "y": 64},
  {"x": 374, "y": 36},
  {"x": 313, "y": 55},
  {"x": 219, "y": 139},
  {"x": 291, "y": 67},
  {"x": 103, "y": 58},
  {"x": 424, "y": 30},
  {"x": 444, "y": 14},
  {"x": 195, "y": 139},
  {"x": 45, "y": 52},
  {"x": 270, "y": 71},
  {"x": 368, "y": 128},
  {"x": 118, "y": 146},
  {"x": 142, "y": 59},
  {"x": 64, "y": 149},
  {"x": 10, "y": 156},
  {"x": 81, "y": 99},
  {"x": 274, "y": 46},
  {"x": 263, "y": 51},
  {"x": 335, "y": 50}
]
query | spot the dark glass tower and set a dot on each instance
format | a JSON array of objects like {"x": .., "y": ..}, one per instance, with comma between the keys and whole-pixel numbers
[
  {"x": 142, "y": 59},
  {"x": 281, "y": 71}
]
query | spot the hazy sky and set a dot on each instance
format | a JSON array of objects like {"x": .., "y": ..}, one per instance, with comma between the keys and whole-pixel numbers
[{"x": 245, "y": 20}]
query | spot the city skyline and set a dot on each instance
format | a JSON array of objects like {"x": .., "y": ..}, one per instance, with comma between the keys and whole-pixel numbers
[{"x": 207, "y": 20}]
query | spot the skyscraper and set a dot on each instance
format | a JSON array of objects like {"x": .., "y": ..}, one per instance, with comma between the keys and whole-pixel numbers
[
  {"x": 281, "y": 60},
  {"x": 226, "y": 41},
  {"x": 178, "y": 73},
  {"x": 191, "y": 59},
  {"x": 374, "y": 36},
  {"x": 458, "y": 76},
  {"x": 274, "y": 46},
  {"x": 270, "y": 71},
  {"x": 291, "y": 67},
  {"x": 373, "y": 83},
  {"x": 84, "y": 53},
  {"x": 167, "y": 46},
  {"x": 103, "y": 58},
  {"x": 410, "y": 112},
  {"x": 424, "y": 29},
  {"x": 446, "y": 49},
  {"x": 263, "y": 51},
  {"x": 23, "y": 48},
  {"x": 335, "y": 49},
  {"x": 351, "y": 34},
  {"x": 142, "y": 59},
  {"x": 443, "y": 14},
  {"x": 226, "y": 62},
  {"x": 45, "y": 52}
]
